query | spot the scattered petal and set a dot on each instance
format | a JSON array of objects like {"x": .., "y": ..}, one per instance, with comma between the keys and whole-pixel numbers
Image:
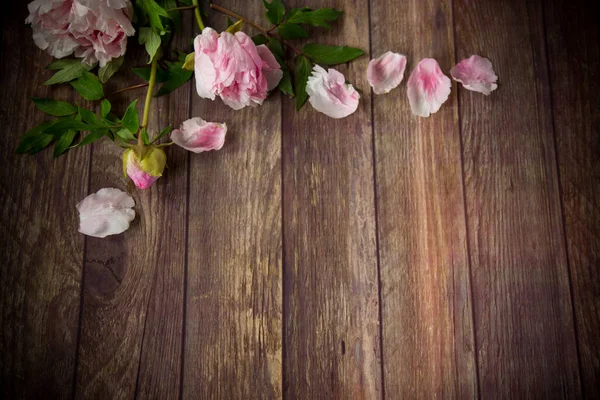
[
  {"x": 386, "y": 72},
  {"x": 330, "y": 94},
  {"x": 428, "y": 88},
  {"x": 476, "y": 73},
  {"x": 197, "y": 135},
  {"x": 107, "y": 212}
]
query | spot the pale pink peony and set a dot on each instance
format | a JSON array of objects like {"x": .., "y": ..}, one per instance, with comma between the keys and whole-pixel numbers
[
  {"x": 232, "y": 67},
  {"x": 330, "y": 94},
  {"x": 107, "y": 212},
  {"x": 428, "y": 88},
  {"x": 476, "y": 73},
  {"x": 386, "y": 72},
  {"x": 95, "y": 30},
  {"x": 197, "y": 135},
  {"x": 145, "y": 171}
]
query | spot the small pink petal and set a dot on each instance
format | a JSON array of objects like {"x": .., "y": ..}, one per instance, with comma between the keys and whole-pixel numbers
[
  {"x": 197, "y": 135},
  {"x": 107, "y": 212},
  {"x": 271, "y": 68},
  {"x": 476, "y": 73},
  {"x": 330, "y": 94},
  {"x": 428, "y": 88},
  {"x": 386, "y": 72}
]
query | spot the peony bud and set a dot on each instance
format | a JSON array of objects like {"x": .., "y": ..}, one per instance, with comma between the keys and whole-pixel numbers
[{"x": 145, "y": 171}]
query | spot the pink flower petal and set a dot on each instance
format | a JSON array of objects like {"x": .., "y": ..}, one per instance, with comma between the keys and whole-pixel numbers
[
  {"x": 197, "y": 135},
  {"x": 107, "y": 212},
  {"x": 428, "y": 88},
  {"x": 386, "y": 72},
  {"x": 476, "y": 73},
  {"x": 330, "y": 94},
  {"x": 270, "y": 68}
]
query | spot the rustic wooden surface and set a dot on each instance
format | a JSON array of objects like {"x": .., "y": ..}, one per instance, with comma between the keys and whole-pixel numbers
[{"x": 381, "y": 255}]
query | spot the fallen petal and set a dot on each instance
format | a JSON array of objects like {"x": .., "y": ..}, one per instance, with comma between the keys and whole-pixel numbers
[
  {"x": 330, "y": 94},
  {"x": 386, "y": 72},
  {"x": 428, "y": 88},
  {"x": 106, "y": 212},
  {"x": 197, "y": 135},
  {"x": 476, "y": 73}
]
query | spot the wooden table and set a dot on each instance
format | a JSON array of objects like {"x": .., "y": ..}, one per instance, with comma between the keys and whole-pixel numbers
[{"x": 378, "y": 255}]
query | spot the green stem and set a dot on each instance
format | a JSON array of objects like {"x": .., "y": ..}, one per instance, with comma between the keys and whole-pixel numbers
[
  {"x": 198, "y": 16},
  {"x": 151, "y": 83},
  {"x": 182, "y": 8}
]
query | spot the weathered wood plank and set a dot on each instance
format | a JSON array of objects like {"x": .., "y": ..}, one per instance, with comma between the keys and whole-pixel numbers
[
  {"x": 233, "y": 317},
  {"x": 523, "y": 317},
  {"x": 574, "y": 61},
  {"x": 132, "y": 322},
  {"x": 41, "y": 252},
  {"x": 427, "y": 317},
  {"x": 331, "y": 311}
]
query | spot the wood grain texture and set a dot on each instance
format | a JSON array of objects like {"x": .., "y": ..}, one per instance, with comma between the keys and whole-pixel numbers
[
  {"x": 574, "y": 62},
  {"x": 523, "y": 317},
  {"x": 331, "y": 327},
  {"x": 41, "y": 252},
  {"x": 426, "y": 310},
  {"x": 132, "y": 318},
  {"x": 233, "y": 343}
]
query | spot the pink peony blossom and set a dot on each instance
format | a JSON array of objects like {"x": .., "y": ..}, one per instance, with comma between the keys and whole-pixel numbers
[
  {"x": 95, "y": 30},
  {"x": 476, "y": 73},
  {"x": 107, "y": 212},
  {"x": 330, "y": 94},
  {"x": 234, "y": 68},
  {"x": 386, "y": 72},
  {"x": 197, "y": 135},
  {"x": 145, "y": 171},
  {"x": 428, "y": 88}
]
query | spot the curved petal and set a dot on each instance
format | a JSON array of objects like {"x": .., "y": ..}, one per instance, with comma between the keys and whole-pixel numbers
[
  {"x": 271, "y": 68},
  {"x": 107, "y": 212},
  {"x": 428, "y": 88},
  {"x": 330, "y": 94},
  {"x": 197, "y": 135},
  {"x": 386, "y": 72},
  {"x": 477, "y": 74}
]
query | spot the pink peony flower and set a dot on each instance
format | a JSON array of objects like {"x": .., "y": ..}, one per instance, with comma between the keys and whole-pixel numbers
[
  {"x": 234, "y": 68},
  {"x": 197, "y": 135},
  {"x": 476, "y": 73},
  {"x": 146, "y": 171},
  {"x": 386, "y": 72},
  {"x": 95, "y": 30},
  {"x": 107, "y": 212},
  {"x": 330, "y": 94},
  {"x": 428, "y": 88}
]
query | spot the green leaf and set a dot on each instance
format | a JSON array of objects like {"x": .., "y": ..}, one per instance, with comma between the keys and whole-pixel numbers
[
  {"x": 68, "y": 70},
  {"x": 285, "y": 84},
  {"x": 130, "y": 119},
  {"x": 235, "y": 27},
  {"x": 275, "y": 11},
  {"x": 92, "y": 137},
  {"x": 105, "y": 108},
  {"x": 154, "y": 12},
  {"x": 331, "y": 55},
  {"x": 164, "y": 132},
  {"x": 177, "y": 77},
  {"x": 106, "y": 72},
  {"x": 35, "y": 137},
  {"x": 189, "y": 62},
  {"x": 63, "y": 143},
  {"x": 289, "y": 31},
  {"x": 151, "y": 40},
  {"x": 175, "y": 15},
  {"x": 295, "y": 11},
  {"x": 319, "y": 17},
  {"x": 144, "y": 73},
  {"x": 303, "y": 69},
  {"x": 64, "y": 124},
  {"x": 90, "y": 118},
  {"x": 125, "y": 134},
  {"x": 260, "y": 39},
  {"x": 276, "y": 48},
  {"x": 54, "y": 107},
  {"x": 88, "y": 86}
]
